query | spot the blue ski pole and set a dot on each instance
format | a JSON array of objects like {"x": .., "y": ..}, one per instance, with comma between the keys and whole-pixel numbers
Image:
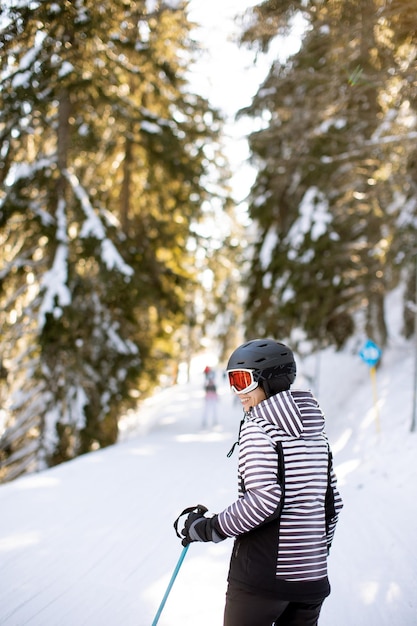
[
  {"x": 171, "y": 582},
  {"x": 200, "y": 509}
]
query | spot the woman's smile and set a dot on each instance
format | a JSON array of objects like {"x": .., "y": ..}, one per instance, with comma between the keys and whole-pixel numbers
[{"x": 252, "y": 398}]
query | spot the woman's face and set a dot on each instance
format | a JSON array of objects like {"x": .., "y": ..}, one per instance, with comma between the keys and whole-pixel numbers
[{"x": 252, "y": 398}]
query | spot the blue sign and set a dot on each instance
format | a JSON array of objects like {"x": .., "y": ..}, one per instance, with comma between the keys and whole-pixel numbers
[{"x": 370, "y": 353}]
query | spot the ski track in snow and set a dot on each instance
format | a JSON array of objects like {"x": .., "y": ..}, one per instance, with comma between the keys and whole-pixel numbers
[{"x": 92, "y": 541}]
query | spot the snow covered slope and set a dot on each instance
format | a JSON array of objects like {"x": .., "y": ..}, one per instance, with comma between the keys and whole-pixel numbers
[{"x": 92, "y": 542}]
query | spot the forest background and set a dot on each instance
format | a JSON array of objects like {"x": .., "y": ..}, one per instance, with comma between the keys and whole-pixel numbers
[{"x": 123, "y": 251}]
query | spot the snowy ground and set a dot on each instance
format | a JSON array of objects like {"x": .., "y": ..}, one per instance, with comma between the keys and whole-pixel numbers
[{"x": 92, "y": 542}]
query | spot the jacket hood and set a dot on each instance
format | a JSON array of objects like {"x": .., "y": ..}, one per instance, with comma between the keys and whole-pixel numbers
[{"x": 295, "y": 413}]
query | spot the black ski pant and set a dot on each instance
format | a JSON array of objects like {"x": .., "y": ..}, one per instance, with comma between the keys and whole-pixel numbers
[{"x": 245, "y": 608}]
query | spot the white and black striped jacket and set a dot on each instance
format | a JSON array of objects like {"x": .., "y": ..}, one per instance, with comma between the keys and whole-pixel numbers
[{"x": 286, "y": 513}]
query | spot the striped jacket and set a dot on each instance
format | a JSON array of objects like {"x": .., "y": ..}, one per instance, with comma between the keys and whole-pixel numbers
[{"x": 288, "y": 505}]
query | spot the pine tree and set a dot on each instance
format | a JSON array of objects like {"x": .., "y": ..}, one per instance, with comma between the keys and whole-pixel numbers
[
  {"x": 103, "y": 150},
  {"x": 334, "y": 167}
]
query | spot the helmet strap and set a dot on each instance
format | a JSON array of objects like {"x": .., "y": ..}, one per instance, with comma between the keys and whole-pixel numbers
[{"x": 232, "y": 449}]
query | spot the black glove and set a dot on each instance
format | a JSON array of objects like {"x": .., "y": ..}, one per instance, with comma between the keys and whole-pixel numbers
[{"x": 197, "y": 527}]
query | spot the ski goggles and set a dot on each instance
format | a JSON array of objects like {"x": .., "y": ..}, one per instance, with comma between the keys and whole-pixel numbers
[{"x": 242, "y": 381}]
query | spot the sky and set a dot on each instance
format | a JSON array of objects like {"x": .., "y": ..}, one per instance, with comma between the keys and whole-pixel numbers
[
  {"x": 226, "y": 72},
  {"x": 229, "y": 75},
  {"x": 92, "y": 541}
]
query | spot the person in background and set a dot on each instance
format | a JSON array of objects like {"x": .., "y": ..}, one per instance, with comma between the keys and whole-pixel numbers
[
  {"x": 210, "y": 402},
  {"x": 285, "y": 516}
]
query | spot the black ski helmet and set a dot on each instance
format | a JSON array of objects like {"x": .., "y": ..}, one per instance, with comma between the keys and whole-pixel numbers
[{"x": 272, "y": 363}]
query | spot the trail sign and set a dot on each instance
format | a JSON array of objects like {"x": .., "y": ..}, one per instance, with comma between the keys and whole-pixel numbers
[{"x": 370, "y": 353}]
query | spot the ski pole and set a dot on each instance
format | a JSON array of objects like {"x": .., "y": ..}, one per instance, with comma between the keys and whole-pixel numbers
[
  {"x": 171, "y": 582},
  {"x": 199, "y": 509}
]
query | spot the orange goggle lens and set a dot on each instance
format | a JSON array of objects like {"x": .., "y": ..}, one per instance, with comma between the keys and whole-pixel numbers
[{"x": 242, "y": 381}]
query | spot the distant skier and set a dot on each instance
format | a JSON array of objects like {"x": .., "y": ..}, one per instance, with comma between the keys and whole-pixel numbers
[
  {"x": 285, "y": 517},
  {"x": 210, "y": 402}
]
